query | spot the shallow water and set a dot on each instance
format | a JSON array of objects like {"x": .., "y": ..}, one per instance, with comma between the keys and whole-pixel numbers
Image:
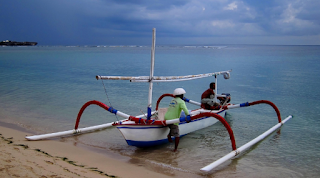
[{"x": 43, "y": 88}]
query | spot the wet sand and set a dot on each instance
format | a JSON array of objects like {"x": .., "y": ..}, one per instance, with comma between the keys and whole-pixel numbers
[{"x": 51, "y": 158}]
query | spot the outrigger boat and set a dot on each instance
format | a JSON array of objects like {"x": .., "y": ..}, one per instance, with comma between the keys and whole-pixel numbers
[{"x": 151, "y": 129}]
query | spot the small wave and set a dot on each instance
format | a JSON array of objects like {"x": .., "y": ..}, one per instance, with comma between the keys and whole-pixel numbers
[
  {"x": 71, "y": 46},
  {"x": 215, "y": 47},
  {"x": 208, "y": 47},
  {"x": 169, "y": 166}
]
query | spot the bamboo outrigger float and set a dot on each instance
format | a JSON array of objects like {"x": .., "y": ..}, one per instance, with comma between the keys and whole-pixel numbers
[{"x": 151, "y": 129}]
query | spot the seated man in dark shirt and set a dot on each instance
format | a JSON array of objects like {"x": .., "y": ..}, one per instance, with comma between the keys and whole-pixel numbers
[{"x": 207, "y": 98}]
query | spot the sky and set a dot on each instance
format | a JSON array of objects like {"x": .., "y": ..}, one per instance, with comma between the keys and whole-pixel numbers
[{"x": 177, "y": 22}]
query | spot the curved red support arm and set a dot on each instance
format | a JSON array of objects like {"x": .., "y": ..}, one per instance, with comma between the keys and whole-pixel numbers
[
  {"x": 223, "y": 121},
  {"x": 85, "y": 106},
  {"x": 104, "y": 106},
  {"x": 258, "y": 102},
  {"x": 160, "y": 98},
  {"x": 271, "y": 104}
]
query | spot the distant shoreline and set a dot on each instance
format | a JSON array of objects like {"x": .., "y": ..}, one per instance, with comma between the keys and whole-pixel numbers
[{"x": 15, "y": 43}]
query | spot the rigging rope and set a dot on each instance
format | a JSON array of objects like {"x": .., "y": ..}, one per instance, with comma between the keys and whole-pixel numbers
[{"x": 105, "y": 90}]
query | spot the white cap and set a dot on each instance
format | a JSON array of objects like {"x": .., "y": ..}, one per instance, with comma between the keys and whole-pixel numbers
[{"x": 179, "y": 91}]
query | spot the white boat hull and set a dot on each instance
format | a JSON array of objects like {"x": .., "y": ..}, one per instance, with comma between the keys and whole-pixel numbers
[{"x": 151, "y": 135}]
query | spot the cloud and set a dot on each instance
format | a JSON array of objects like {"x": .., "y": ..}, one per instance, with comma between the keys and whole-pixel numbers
[
  {"x": 231, "y": 6},
  {"x": 99, "y": 21},
  {"x": 295, "y": 19}
]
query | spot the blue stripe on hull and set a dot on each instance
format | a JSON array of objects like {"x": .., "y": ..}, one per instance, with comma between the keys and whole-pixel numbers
[
  {"x": 149, "y": 143},
  {"x": 146, "y": 144}
]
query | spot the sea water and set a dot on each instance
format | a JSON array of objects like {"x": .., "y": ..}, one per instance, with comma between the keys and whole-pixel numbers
[{"x": 42, "y": 89}]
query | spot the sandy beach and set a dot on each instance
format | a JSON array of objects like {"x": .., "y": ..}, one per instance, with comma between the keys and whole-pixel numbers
[{"x": 50, "y": 158}]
